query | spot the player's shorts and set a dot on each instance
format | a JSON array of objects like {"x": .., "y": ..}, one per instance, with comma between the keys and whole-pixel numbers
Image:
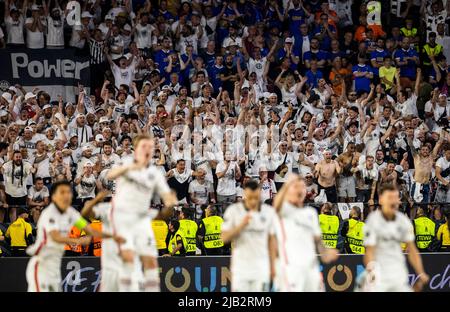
[
  {"x": 42, "y": 277},
  {"x": 137, "y": 232},
  {"x": 300, "y": 279},
  {"x": 346, "y": 187},
  {"x": 110, "y": 280},
  {"x": 239, "y": 284}
]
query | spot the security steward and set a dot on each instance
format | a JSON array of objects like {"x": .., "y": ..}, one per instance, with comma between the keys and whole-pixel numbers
[
  {"x": 95, "y": 248},
  {"x": 209, "y": 231},
  {"x": 175, "y": 240},
  {"x": 353, "y": 231},
  {"x": 189, "y": 229},
  {"x": 329, "y": 224},
  {"x": 443, "y": 233},
  {"x": 19, "y": 234},
  {"x": 74, "y": 250},
  {"x": 161, "y": 230},
  {"x": 424, "y": 229}
]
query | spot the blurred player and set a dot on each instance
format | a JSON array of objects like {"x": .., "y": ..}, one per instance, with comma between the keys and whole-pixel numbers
[
  {"x": 385, "y": 230},
  {"x": 44, "y": 268},
  {"x": 110, "y": 259},
  {"x": 250, "y": 225},
  {"x": 137, "y": 182},
  {"x": 299, "y": 240}
]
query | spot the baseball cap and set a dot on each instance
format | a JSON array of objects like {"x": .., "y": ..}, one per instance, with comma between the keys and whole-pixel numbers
[
  {"x": 85, "y": 148},
  {"x": 88, "y": 164},
  {"x": 3, "y": 113},
  {"x": 103, "y": 119},
  {"x": 109, "y": 17},
  {"x": 86, "y": 14},
  {"x": 46, "y": 106},
  {"x": 99, "y": 138},
  {"x": 288, "y": 40},
  {"x": 34, "y": 7},
  {"x": 7, "y": 96},
  {"x": 29, "y": 95},
  {"x": 28, "y": 128},
  {"x": 81, "y": 115},
  {"x": 14, "y": 89}
]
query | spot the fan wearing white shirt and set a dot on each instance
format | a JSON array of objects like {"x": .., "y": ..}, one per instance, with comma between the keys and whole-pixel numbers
[
  {"x": 299, "y": 240},
  {"x": 14, "y": 21},
  {"x": 35, "y": 29},
  {"x": 124, "y": 73},
  {"x": 384, "y": 231},
  {"x": 227, "y": 172},
  {"x": 250, "y": 226},
  {"x": 55, "y": 26}
]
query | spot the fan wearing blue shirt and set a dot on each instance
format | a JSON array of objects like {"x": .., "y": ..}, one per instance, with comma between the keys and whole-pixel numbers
[
  {"x": 362, "y": 74},
  {"x": 214, "y": 73},
  {"x": 321, "y": 56},
  {"x": 288, "y": 51},
  {"x": 325, "y": 32},
  {"x": 162, "y": 56},
  {"x": 297, "y": 16},
  {"x": 314, "y": 74},
  {"x": 377, "y": 56},
  {"x": 407, "y": 60}
]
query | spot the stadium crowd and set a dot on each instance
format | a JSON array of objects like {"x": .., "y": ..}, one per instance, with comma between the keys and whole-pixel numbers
[{"x": 234, "y": 91}]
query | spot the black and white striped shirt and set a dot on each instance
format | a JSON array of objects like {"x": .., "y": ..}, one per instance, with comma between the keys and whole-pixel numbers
[{"x": 96, "y": 51}]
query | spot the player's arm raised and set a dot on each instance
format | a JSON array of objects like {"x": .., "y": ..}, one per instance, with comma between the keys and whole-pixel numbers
[
  {"x": 119, "y": 171},
  {"x": 88, "y": 208},
  {"x": 170, "y": 200},
  {"x": 327, "y": 255}
]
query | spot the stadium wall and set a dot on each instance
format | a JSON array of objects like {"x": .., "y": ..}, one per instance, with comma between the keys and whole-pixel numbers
[{"x": 206, "y": 274}]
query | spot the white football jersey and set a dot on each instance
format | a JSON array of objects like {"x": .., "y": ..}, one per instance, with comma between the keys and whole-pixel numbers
[
  {"x": 297, "y": 230},
  {"x": 135, "y": 189},
  {"x": 250, "y": 253},
  {"x": 52, "y": 219},
  {"x": 386, "y": 236}
]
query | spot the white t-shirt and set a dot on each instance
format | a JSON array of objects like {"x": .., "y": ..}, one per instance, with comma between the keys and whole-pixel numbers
[
  {"x": 386, "y": 237},
  {"x": 75, "y": 40},
  {"x": 135, "y": 189},
  {"x": 55, "y": 32},
  {"x": 226, "y": 185},
  {"x": 14, "y": 29},
  {"x": 18, "y": 187},
  {"x": 86, "y": 188},
  {"x": 257, "y": 66},
  {"x": 201, "y": 191},
  {"x": 443, "y": 163},
  {"x": 408, "y": 107},
  {"x": 43, "y": 168},
  {"x": 51, "y": 219},
  {"x": 123, "y": 76},
  {"x": 252, "y": 242},
  {"x": 277, "y": 159},
  {"x": 143, "y": 36},
  {"x": 268, "y": 190},
  {"x": 38, "y": 196}
]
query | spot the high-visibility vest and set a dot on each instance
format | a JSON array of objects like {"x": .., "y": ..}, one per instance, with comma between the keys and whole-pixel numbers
[
  {"x": 425, "y": 229},
  {"x": 74, "y": 233},
  {"x": 409, "y": 32},
  {"x": 213, "y": 229},
  {"x": 189, "y": 229},
  {"x": 97, "y": 241},
  {"x": 330, "y": 227},
  {"x": 429, "y": 50},
  {"x": 161, "y": 230},
  {"x": 355, "y": 236},
  {"x": 18, "y": 232},
  {"x": 173, "y": 241},
  {"x": 443, "y": 235}
]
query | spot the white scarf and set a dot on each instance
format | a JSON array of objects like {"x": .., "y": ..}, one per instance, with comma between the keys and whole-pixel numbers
[{"x": 181, "y": 177}]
